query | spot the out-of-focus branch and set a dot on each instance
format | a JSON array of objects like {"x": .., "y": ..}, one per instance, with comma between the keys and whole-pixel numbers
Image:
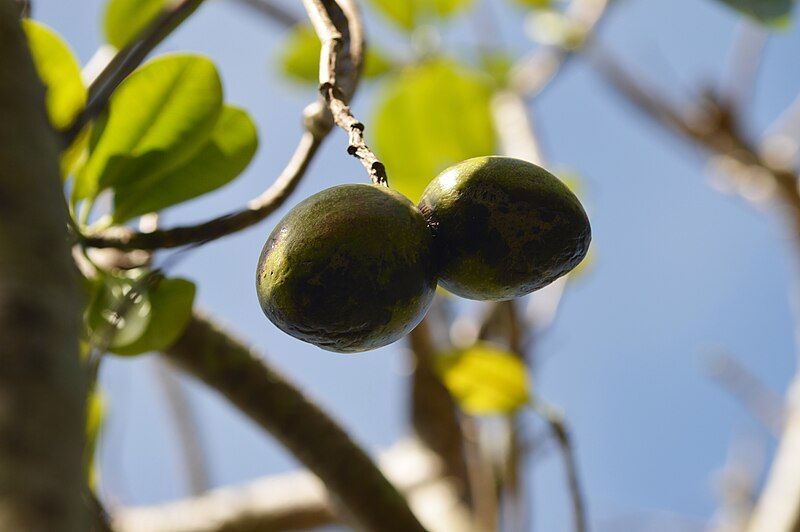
[
  {"x": 534, "y": 72},
  {"x": 562, "y": 436},
  {"x": 744, "y": 62},
  {"x": 778, "y": 507},
  {"x": 43, "y": 385},
  {"x": 334, "y": 46},
  {"x": 763, "y": 403},
  {"x": 358, "y": 488},
  {"x": 298, "y": 500},
  {"x": 273, "y": 11},
  {"x": 186, "y": 429},
  {"x": 433, "y": 412},
  {"x": 125, "y": 61},
  {"x": 707, "y": 126}
]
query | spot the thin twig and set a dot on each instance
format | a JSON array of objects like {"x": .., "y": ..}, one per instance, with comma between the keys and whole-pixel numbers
[
  {"x": 241, "y": 376},
  {"x": 125, "y": 62},
  {"x": 273, "y": 11},
  {"x": 562, "y": 435},
  {"x": 321, "y": 14}
]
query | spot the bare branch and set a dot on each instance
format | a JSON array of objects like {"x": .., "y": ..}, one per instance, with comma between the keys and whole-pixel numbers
[
  {"x": 778, "y": 507},
  {"x": 273, "y": 11},
  {"x": 126, "y": 61},
  {"x": 299, "y": 501},
  {"x": 562, "y": 435},
  {"x": 334, "y": 43},
  {"x": 764, "y": 404},
  {"x": 232, "y": 369}
]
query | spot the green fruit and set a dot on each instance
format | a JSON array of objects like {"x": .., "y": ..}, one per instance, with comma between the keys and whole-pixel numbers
[
  {"x": 348, "y": 269},
  {"x": 503, "y": 227}
]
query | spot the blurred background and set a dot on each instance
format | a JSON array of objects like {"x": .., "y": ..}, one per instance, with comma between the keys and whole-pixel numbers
[{"x": 680, "y": 272}]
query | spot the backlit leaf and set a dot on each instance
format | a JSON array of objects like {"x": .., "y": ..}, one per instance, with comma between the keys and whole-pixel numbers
[
  {"x": 59, "y": 71},
  {"x": 485, "y": 379},
  {"x": 225, "y": 154},
  {"x": 123, "y": 20},
  {"x": 157, "y": 120}
]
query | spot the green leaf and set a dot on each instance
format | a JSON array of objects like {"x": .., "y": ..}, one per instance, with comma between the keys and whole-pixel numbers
[
  {"x": 408, "y": 13},
  {"x": 299, "y": 57},
  {"x": 171, "y": 303},
  {"x": 119, "y": 312},
  {"x": 536, "y": 4},
  {"x": 225, "y": 154},
  {"x": 485, "y": 379},
  {"x": 59, "y": 71},
  {"x": 429, "y": 118},
  {"x": 125, "y": 19},
  {"x": 157, "y": 119},
  {"x": 775, "y": 13}
]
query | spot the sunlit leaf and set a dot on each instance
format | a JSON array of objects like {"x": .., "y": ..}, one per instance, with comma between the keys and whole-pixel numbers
[
  {"x": 408, "y": 13},
  {"x": 157, "y": 119},
  {"x": 225, "y": 154},
  {"x": 774, "y": 13},
  {"x": 428, "y": 118},
  {"x": 74, "y": 157},
  {"x": 485, "y": 379},
  {"x": 171, "y": 303},
  {"x": 119, "y": 313},
  {"x": 59, "y": 71},
  {"x": 536, "y": 4},
  {"x": 123, "y": 20},
  {"x": 299, "y": 57}
]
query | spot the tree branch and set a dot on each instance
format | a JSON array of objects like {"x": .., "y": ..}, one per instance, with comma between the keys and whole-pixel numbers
[
  {"x": 42, "y": 384},
  {"x": 360, "y": 490},
  {"x": 125, "y": 61},
  {"x": 322, "y": 14},
  {"x": 298, "y": 500}
]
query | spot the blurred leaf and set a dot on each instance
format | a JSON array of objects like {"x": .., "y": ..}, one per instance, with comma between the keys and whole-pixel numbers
[
  {"x": 497, "y": 66},
  {"x": 74, "y": 157},
  {"x": 225, "y": 154},
  {"x": 59, "y": 71},
  {"x": 536, "y": 4},
  {"x": 555, "y": 28},
  {"x": 299, "y": 58},
  {"x": 775, "y": 13},
  {"x": 485, "y": 379},
  {"x": 95, "y": 412},
  {"x": 171, "y": 302},
  {"x": 430, "y": 117},
  {"x": 408, "y": 13},
  {"x": 125, "y": 19},
  {"x": 119, "y": 310},
  {"x": 157, "y": 119}
]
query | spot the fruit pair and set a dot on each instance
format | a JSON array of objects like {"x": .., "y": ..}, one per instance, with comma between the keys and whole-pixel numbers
[{"x": 355, "y": 267}]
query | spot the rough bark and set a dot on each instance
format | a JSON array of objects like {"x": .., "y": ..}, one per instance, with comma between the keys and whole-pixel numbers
[{"x": 42, "y": 385}]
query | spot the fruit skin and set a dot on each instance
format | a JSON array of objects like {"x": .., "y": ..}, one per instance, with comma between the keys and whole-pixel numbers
[
  {"x": 348, "y": 269},
  {"x": 503, "y": 227}
]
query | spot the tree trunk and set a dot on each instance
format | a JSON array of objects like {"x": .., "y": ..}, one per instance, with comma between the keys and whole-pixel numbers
[{"x": 42, "y": 385}]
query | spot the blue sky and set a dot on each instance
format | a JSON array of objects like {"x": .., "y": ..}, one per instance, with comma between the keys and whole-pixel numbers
[{"x": 681, "y": 271}]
